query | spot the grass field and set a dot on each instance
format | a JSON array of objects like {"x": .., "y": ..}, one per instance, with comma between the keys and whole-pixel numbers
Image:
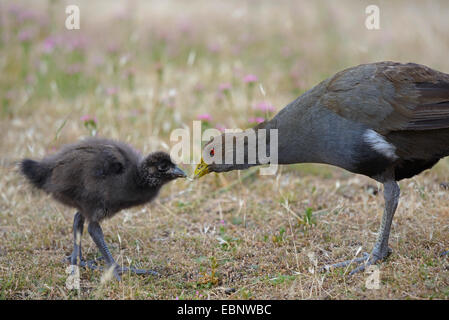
[{"x": 135, "y": 71}]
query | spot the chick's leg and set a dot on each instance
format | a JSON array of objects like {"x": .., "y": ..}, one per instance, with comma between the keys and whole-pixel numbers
[
  {"x": 78, "y": 226},
  {"x": 76, "y": 258},
  {"x": 97, "y": 235}
]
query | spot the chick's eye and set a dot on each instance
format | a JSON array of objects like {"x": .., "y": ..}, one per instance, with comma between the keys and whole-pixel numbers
[
  {"x": 163, "y": 167},
  {"x": 212, "y": 152}
]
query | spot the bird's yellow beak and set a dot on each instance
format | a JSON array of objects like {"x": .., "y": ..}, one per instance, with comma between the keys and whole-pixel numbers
[{"x": 201, "y": 170}]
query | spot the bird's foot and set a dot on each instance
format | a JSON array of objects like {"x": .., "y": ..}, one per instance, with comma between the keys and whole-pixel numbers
[
  {"x": 346, "y": 262},
  {"x": 117, "y": 271},
  {"x": 365, "y": 261},
  {"x": 122, "y": 270}
]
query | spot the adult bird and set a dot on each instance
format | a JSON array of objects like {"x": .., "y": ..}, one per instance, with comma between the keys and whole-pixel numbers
[
  {"x": 386, "y": 120},
  {"x": 100, "y": 177}
]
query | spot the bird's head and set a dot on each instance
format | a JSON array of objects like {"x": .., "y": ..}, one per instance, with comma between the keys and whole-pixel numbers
[
  {"x": 157, "y": 168},
  {"x": 227, "y": 152}
]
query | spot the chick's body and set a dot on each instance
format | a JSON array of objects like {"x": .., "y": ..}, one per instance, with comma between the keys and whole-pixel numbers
[{"x": 100, "y": 177}]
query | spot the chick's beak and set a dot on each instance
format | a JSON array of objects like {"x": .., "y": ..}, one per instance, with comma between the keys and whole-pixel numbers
[
  {"x": 178, "y": 173},
  {"x": 201, "y": 170}
]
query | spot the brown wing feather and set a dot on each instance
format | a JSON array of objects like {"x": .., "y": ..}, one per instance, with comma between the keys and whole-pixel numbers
[
  {"x": 389, "y": 96},
  {"x": 430, "y": 109},
  {"x": 432, "y": 112}
]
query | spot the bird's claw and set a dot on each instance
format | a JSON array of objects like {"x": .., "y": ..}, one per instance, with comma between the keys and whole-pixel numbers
[
  {"x": 365, "y": 261},
  {"x": 118, "y": 271},
  {"x": 346, "y": 263},
  {"x": 122, "y": 270}
]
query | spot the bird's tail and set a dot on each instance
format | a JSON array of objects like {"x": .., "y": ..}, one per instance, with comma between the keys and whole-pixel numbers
[{"x": 35, "y": 172}]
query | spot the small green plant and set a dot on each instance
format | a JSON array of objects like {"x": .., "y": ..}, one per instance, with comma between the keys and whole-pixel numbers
[
  {"x": 210, "y": 279},
  {"x": 90, "y": 123},
  {"x": 307, "y": 220},
  {"x": 279, "y": 238}
]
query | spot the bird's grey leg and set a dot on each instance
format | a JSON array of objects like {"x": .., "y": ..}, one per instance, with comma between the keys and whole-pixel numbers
[
  {"x": 97, "y": 235},
  {"x": 78, "y": 226},
  {"x": 76, "y": 258},
  {"x": 381, "y": 249}
]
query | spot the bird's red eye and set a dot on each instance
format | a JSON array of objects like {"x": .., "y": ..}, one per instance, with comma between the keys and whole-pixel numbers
[{"x": 212, "y": 152}]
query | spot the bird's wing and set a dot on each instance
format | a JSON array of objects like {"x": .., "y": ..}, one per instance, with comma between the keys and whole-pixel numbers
[
  {"x": 98, "y": 161},
  {"x": 108, "y": 162},
  {"x": 390, "y": 96}
]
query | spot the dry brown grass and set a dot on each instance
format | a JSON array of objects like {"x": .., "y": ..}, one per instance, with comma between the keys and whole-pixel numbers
[{"x": 239, "y": 235}]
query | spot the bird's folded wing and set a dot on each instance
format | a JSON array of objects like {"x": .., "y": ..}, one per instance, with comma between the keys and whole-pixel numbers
[
  {"x": 433, "y": 110},
  {"x": 109, "y": 162},
  {"x": 99, "y": 160},
  {"x": 390, "y": 96}
]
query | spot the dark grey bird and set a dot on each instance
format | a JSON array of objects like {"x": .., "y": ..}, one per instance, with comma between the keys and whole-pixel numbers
[
  {"x": 386, "y": 120},
  {"x": 100, "y": 177}
]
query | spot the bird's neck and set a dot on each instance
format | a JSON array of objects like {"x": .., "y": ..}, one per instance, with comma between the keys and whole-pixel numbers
[
  {"x": 295, "y": 136},
  {"x": 251, "y": 147}
]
